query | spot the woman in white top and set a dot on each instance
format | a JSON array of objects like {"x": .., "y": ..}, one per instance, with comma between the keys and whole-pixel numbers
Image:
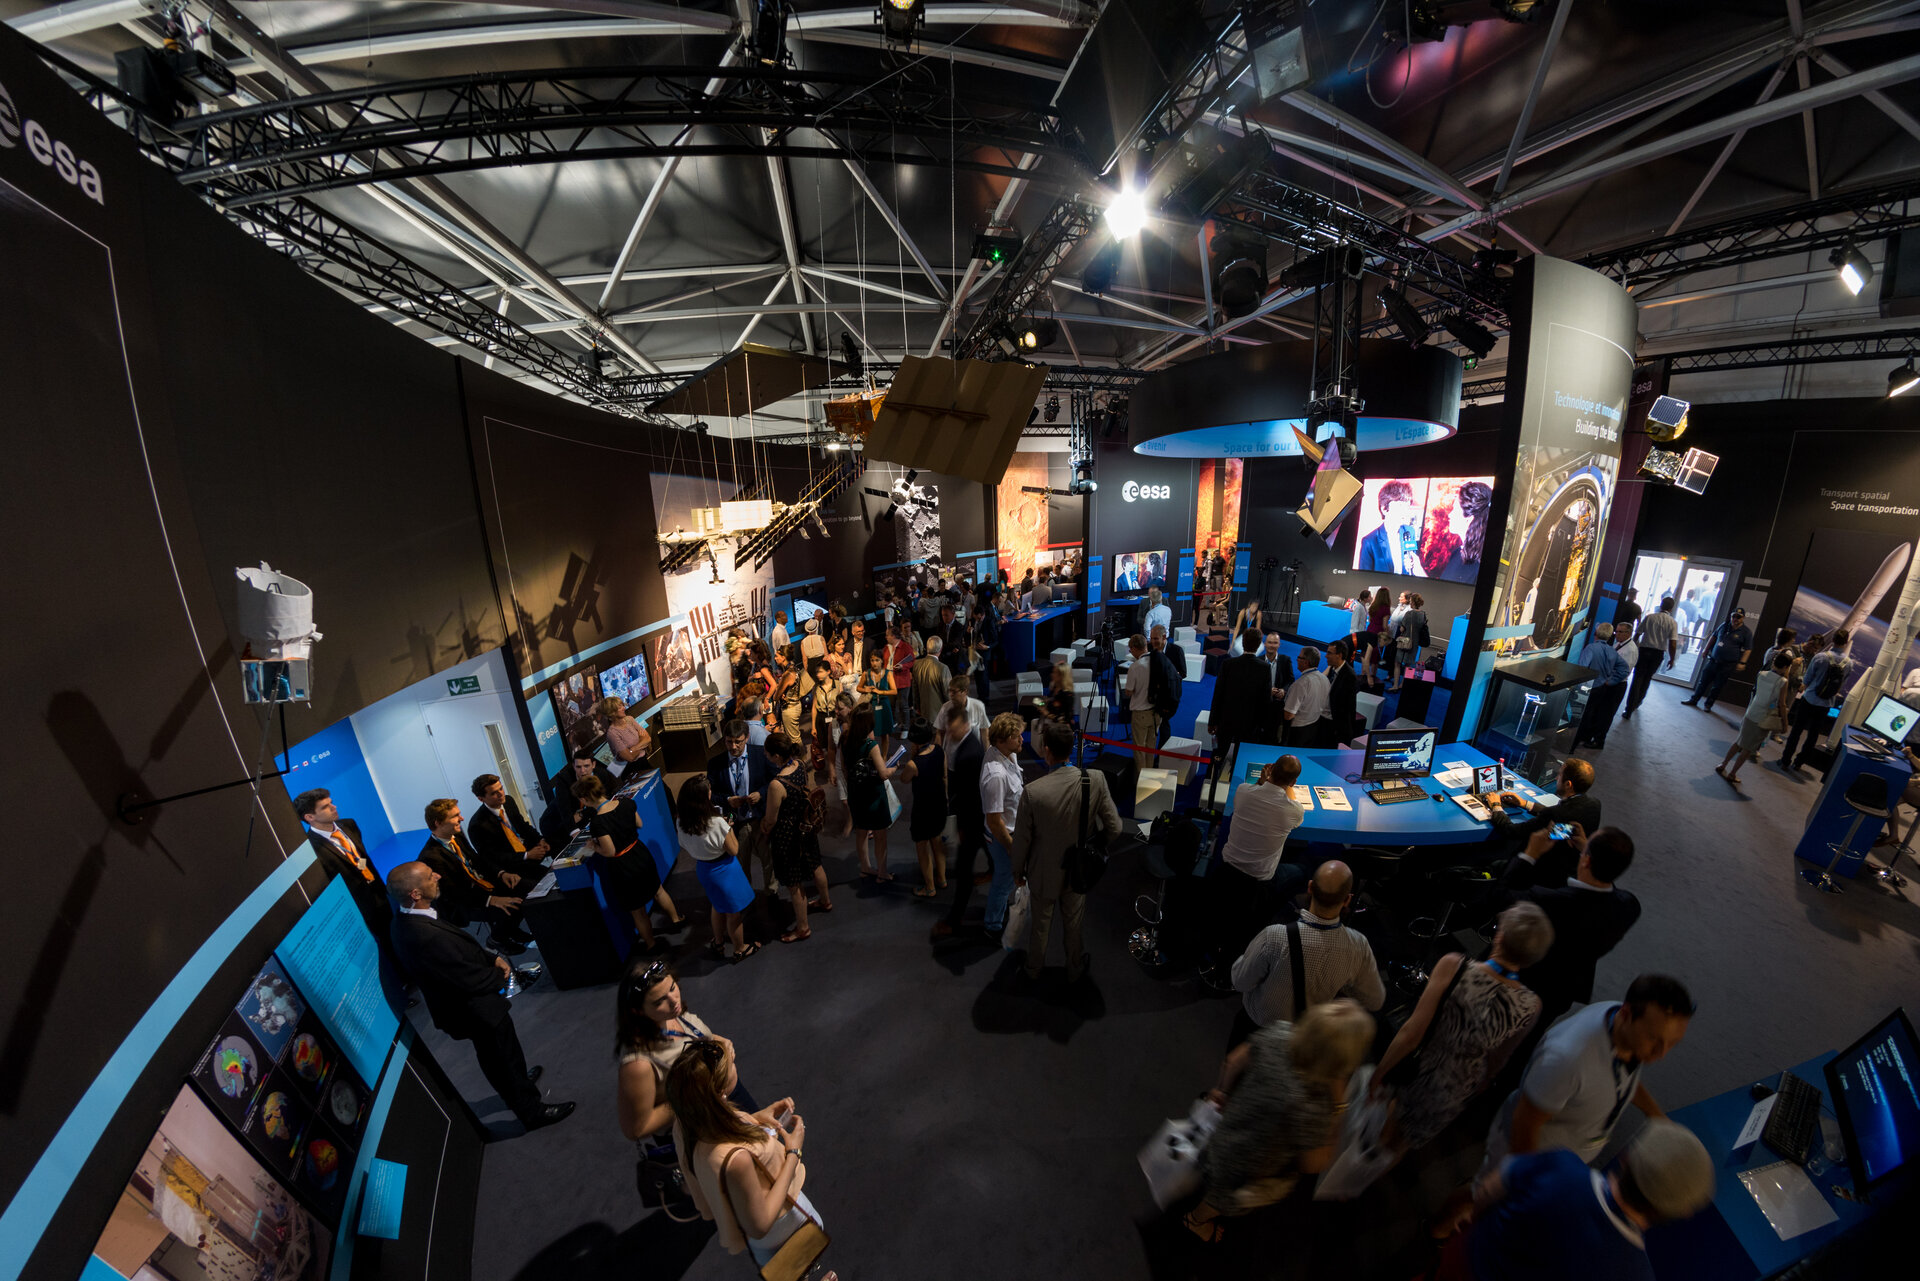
[
  {"x": 1766, "y": 712},
  {"x": 652, "y": 1025},
  {"x": 745, "y": 1170},
  {"x": 708, "y": 837}
]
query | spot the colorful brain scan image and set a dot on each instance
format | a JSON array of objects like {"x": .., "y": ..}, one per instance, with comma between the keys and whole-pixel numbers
[
  {"x": 234, "y": 1067},
  {"x": 309, "y": 1060},
  {"x": 271, "y": 1007},
  {"x": 344, "y": 1102},
  {"x": 275, "y": 1118},
  {"x": 323, "y": 1164}
]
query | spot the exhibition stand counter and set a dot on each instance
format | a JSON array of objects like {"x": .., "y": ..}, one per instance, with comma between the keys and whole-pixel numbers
[
  {"x": 1026, "y": 636},
  {"x": 1321, "y": 622},
  {"x": 1831, "y": 819},
  {"x": 584, "y": 937}
]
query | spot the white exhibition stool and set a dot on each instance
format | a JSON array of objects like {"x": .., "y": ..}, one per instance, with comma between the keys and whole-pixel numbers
[
  {"x": 1153, "y": 795},
  {"x": 1181, "y": 769},
  {"x": 1368, "y": 707},
  {"x": 1202, "y": 731},
  {"x": 1196, "y": 665}
]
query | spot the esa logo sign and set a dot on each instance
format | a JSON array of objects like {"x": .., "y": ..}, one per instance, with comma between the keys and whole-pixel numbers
[
  {"x": 1134, "y": 492},
  {"x": 57, "y": 155}
]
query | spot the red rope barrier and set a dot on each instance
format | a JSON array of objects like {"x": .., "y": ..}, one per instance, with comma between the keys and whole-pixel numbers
[{"x": 1178, "y": 756}]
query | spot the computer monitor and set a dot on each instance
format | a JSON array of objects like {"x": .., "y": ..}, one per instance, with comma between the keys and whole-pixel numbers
[
  {"x": 627, "y": 681},
  {"x": 803, "y": 609},
  {"x": 1875, "y": 1087},
  {"x": 1394, "y": 754},
  {"x": 1892, "y": 720}
]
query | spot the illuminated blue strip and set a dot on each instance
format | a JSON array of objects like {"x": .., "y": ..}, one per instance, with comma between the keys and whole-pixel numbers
[
  {"x": 974, "y": 555},
  {"x": 808, "y": 582},
  {"x": 34, "y": 1205},
  {"x": 376, "y": 1122},
  {"x": 554, "y": 669}
]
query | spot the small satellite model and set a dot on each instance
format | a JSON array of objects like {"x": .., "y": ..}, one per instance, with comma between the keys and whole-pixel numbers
[{"x": 1333, "y": 491}]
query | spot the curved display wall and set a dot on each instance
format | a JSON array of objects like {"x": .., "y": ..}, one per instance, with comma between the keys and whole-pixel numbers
[{"x": 1246, "y": 402}]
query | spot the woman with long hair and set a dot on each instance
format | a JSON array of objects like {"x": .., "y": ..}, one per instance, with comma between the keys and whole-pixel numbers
[
  {"x": 1377, "y": 628},
  {"x": 925, "y": 769},
  {"x": 1407, "y": 638},
  {"x": 625, "y": 866},
  {"x": 902, "y": 650},
  {"x": 877, "y": 688},
  {"x": 867, "y": 773},
  {"x": 839, "y": 660},
  {"x": 786, "y": 694},
  {"x": 652, "y": 1027},
  {"x": 627, "y": 737},
  {"x": 716, "y": 861},
  {"x": 743, "y": 1169},
  {"x": 1454, "y": 547},
  {"x": 792, "y": 837}
]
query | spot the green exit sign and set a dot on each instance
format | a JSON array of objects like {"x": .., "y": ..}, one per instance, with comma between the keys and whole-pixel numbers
[{"x": 463, "y": 685}]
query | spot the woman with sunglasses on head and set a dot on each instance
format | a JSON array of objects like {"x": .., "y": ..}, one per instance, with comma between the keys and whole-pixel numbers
[
  {"x": 745, "y": 1170},
  {"x": 716, "y": 861},
  {"x": 652, "y": 1027}
]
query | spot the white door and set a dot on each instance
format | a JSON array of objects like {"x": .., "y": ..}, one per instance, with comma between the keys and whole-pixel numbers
[{"x": 458, "y": 729}]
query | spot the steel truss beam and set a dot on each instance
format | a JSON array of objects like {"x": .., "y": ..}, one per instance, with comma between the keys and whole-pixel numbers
[
  {"x": 1802, "y": 350},
  {"x": 346, "y": 138},
  {"x": 1861, "y": 215},
  {"x": 1032, "y": 269}
]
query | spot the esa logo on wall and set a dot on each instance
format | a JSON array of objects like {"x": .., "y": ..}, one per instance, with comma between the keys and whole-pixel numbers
[
  {"x": 1133, "y": 491},
  {"x": 58, "y": 155}
]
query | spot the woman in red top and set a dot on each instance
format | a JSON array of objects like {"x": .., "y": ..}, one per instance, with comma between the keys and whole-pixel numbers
[{"x": 900, "y": 654}]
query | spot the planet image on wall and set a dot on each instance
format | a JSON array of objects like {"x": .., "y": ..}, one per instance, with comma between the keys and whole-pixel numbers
[
  {"x": 309, "y": 1060},
  {"x": 234, "y": 1068},
  {"x": 274, "y": 1119},
  {"x": 323, "y": 1164},
  {"x": 344, "y": 1102}
]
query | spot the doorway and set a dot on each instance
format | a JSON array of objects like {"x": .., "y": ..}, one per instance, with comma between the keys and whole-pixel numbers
[{"x": 1701, "y": 591}]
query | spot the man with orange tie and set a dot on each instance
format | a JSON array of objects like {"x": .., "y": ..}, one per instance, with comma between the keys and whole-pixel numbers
[
  {"x": 510, "y": 848},
  {"x": 337, "y": 843},
  {"x": 467, "y": 893}
]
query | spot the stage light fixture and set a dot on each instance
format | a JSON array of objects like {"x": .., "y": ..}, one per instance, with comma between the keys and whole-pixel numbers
[
  {"x": 1127, "y": 214},
  {"x": 1320, "y": 268},
  {"x": 1083, "y": 481},
  {"x": 1855, "y": 271},
  {"x": 995, "y": 248},
  {"x": 1240, "y": 278},
  {"x": 1037, "y": 335},
  {"x": 1101, "y": 269},
  {"x": 899, "y": 19},
  {"x": 1489, "y": 260},
  {"x": 769, "y": 39},
  {"x": 1412, "y": 325},
  {"x": 1469, "y": 334},
  {"x": 1052, "y": 411},
  {"x": 1903, "y": 380}
]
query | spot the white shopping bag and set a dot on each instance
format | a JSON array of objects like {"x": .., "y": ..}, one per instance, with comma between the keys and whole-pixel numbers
[
  {"x": 1019, "y": 913},
  {"x": 1362, "y": 1158},
  {"x": 1171, "y": 1159}
]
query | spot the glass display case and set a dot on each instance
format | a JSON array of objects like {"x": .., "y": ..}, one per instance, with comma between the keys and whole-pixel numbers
[{"x": 1532, "y": 711}]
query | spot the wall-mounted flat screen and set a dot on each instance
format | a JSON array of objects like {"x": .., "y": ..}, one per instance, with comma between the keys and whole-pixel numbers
[
  {"x": 1137, "y": 571},
  {"x": 670, "y": 657},
  {"x": 627, "y": 681},
  {"x": 574, "y": 696},
  {"x": 1423, "y": 527}
]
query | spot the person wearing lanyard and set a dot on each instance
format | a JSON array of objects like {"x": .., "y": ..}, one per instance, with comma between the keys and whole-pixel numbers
[
  {"x": 739, "y": 777},
  {"x": 652, "y": 1026}
]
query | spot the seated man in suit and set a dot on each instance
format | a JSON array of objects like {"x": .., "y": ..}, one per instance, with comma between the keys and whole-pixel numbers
[
  {"x": 336, "y": 841},
  {"x": 740, "y": 776},
  {"x": 462, "y": 984},
  {"x": 1574, "y": 806},
  {"x": 510, "y": 849},
  {"x": 468, "y": 894},
  {"x": 565, "y": 815}
]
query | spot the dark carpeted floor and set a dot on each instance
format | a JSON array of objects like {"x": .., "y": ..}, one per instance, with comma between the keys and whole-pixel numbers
[{"x": 959, "y": 1126}]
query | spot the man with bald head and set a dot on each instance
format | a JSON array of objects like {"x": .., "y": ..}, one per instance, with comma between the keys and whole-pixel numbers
[
  {"x": 462, "y": 983},
  {"x": 1306, "y": 961}
]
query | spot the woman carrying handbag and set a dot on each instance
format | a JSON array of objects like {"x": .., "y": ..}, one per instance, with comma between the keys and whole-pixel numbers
[{"x": 744, "y": 1170}]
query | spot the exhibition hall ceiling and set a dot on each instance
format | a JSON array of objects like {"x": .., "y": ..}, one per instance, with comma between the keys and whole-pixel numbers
[{"x": 833, "y": 236}]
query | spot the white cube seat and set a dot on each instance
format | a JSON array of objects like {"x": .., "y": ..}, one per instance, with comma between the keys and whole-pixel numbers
[
  {"x": 1062, "y": 656},
  {"x": 1153, "y": 794},
  {"x": 1196, "y": 665},
  {"x": 1368, "y": 707},
  {"x": 1182, "y": 769},
  {"x": 1203, "y": 731}
]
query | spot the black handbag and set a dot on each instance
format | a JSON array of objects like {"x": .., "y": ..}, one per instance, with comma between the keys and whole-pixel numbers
[
  {"x": 1086, "y": 860},
  {"x": 661, "y": 1184}
]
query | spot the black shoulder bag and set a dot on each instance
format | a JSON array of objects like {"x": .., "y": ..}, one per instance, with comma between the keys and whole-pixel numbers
[
  {"x": 1085, "y": 861},
  {"x": 1406, "y": 1069}
]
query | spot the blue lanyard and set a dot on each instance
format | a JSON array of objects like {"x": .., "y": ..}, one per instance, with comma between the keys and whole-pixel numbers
[
  {"x": 1500, "y": 969},
  {"x": 685, "y": 1036}
]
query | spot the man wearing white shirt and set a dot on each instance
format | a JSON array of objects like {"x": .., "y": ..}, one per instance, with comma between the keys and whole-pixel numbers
[
  {"x": 1306, "y": 705},
  {"x": 1251, "y": 881},
  {"x": 1336, "y": 959},
  {"x": 1158, "y": 615},
  {"x": 778, "y": 636},
  {"x": 1139, "y": 706},
  {"x": 957, "y": 696}
]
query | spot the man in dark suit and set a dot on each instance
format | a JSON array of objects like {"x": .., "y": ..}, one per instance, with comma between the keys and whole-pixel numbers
[
  {"x": 336, "y": 842},
  {"x": 1174, "y": 669},
  {"x": 509, "y": 847},
  {"x": 1574, "y": 806},
  {"x": 462, "y": 984},
  {"x": 565, "y": 814},
  {"x": 468, "y": 893},
  {"x": 740, "y": 776},
  {"x": 967, "y": 742},
  {"x": 1590, "y": 914},
  {"x": 1242, "y": 696},
  {"x": 1342, "y": 694}
]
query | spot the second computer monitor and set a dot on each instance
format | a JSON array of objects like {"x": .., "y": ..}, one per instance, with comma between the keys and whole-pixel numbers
[
  {"x": 1892, "y": 720},
  {"x": 1394, "y": 754}
]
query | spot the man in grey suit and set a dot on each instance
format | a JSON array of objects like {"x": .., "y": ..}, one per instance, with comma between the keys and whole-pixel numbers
[{"x": 1048, "y": 823}]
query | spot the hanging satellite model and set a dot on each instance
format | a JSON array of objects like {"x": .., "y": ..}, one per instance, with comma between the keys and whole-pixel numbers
[{"x": 1333, "y": 491}]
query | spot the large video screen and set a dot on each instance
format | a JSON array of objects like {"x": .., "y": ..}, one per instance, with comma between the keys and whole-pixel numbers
[
  {"x": 1137, "y": 571},
  {"x": 574, "y": 696},
  {"x": 627, "y": 681},
  {"x": 1424, "y": 527},
  {"x": 670, "y": 656}
]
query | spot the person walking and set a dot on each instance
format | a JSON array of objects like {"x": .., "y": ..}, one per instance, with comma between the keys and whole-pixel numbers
[
  {"x": 1727, "y": 652},
  {"x": 715, "y": 851},
  {"x": 1054, "y": 811},
  {"x": 1657, "y": 638},
  {"x": 1409, "y": 638},
  {"x": 1825, "y": 686},
  {"x": 792, "y": 835},
  {"x": 925, "y": 771},
  {"x": 1766, "y": 712},
  {"x": 871, "y": 809},
  {"x": 1608, "y": 688}
]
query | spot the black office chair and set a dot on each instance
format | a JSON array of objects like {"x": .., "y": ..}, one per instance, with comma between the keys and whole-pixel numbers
[
  {"x": 1462, "y": 886},
  {"x": 1867, "y": 796}
]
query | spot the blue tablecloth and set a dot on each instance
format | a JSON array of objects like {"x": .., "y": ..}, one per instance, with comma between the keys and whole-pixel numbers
[{"x": 1019, "y": 634}]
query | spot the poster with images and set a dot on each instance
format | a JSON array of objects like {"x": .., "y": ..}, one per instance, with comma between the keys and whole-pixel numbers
[
  {"x": 272, "y": 1008},
  {"x": 670, "y": 657},
  {"x": 199, "y": 1196},
  {"x": 716, "y": 595},
  {"x": 574, "y": 696},
  {"x": 279, "y": 1121},
  {"x": 1852, "y": 578},
  {"x": 231, "y": 1069}
]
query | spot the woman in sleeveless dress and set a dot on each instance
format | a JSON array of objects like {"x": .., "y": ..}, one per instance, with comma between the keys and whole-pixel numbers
[
  {"x": 625, "y": 866},
  {"x": 926, "y": 770},
  {"x": 792, "y": 844},
  {"x": 877, "y": 687},
  {"x": 652, "y": 1025},
  {"x": 867, "y": 774},
  {"x": 715, "y": 851}
]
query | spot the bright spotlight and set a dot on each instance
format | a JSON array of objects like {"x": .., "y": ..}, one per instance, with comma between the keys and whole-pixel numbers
[
  {"x": 1855, "y": 271},
  {"x": 1127, "y": 215},
  {"x": 1903, "y": 380}
]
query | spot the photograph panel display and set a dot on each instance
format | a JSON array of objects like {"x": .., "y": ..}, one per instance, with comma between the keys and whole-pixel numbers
[{"x": 1137, "y": 571}]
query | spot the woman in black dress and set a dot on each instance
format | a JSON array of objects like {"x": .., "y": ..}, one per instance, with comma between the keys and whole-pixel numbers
[
  {"x": 791, "y": 838},
  {"x": 926, "y": 768},
  {"x": 624, "y": 865},
  {"x": 867, "y": 774}
]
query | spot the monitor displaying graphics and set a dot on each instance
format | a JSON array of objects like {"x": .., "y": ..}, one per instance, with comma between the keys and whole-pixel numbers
[
  {"x": 1137, "y": 571},
  {"x": 1892, "y": 720},
  {"x": 1394, "y": 754},
  {"x": 627, "y": 681},
  {"x": 1423, "y": 527},
  {"x": 574, "y": 696},
  {"x": 670, "y": 657},
  {"x": 803, "y": 609},
  {"x": 1875, "y": 1087}
]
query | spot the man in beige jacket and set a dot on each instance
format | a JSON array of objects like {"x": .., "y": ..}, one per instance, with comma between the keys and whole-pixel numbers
[{"x": 1049, "y": 822}]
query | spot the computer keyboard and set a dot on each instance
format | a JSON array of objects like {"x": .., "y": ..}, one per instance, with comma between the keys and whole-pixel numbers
[
  {"x": 1794, "y": 1119},
  {"x": 1395, "y": 795}
]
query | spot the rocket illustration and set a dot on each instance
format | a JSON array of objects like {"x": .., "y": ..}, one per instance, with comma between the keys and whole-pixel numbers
[{"x": 1877, "y": 587}]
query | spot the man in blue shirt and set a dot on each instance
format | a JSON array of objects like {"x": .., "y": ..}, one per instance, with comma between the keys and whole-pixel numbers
[
  {"x": 1609, "y": 687},
  {"x": 1726, "y": 653},
  {"x": 1549, "y": 1215}
]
